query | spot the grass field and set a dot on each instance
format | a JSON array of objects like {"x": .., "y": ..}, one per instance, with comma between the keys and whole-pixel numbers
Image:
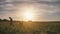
[{"x": 21, "y": 27}]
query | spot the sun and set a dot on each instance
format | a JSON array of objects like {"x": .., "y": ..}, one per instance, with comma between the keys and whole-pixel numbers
[
  {"x": 27, "y": 13},
  {"x": 27, "y": 16}
]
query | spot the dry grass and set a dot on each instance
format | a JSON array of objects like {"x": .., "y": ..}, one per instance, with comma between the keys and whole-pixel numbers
[{"x": 20, "y": 27}]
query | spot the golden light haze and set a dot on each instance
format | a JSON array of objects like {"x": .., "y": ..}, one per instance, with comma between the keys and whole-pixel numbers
[{"x": 27, "y": 12}]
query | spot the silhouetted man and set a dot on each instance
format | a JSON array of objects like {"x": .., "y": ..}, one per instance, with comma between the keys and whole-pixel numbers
[{"x": 11, "y": 20}]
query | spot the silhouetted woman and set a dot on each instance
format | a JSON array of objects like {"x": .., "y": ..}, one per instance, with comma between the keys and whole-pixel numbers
[{"x": 11, "y": 20}]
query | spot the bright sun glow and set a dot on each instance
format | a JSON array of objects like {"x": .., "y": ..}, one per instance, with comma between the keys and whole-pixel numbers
[
  {"x": 27, "y": 13},
  {"x": 28, "y": 16}
]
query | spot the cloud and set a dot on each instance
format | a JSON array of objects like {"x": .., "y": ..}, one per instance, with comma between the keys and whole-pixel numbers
[
  {"x": 37, "y": 0},
  {"x": 47, "y": 9}
]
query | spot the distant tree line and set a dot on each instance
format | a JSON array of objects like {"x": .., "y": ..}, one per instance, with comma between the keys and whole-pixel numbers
[
  {"x": 10, "y": 19},
  {"x": 4, "y": 20}
]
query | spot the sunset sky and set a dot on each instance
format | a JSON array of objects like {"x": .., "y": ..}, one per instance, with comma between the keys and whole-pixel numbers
[{"x": 41, "y": 10}]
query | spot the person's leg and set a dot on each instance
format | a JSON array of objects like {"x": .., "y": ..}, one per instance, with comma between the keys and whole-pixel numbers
[{"x": 11, "y": 22}]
